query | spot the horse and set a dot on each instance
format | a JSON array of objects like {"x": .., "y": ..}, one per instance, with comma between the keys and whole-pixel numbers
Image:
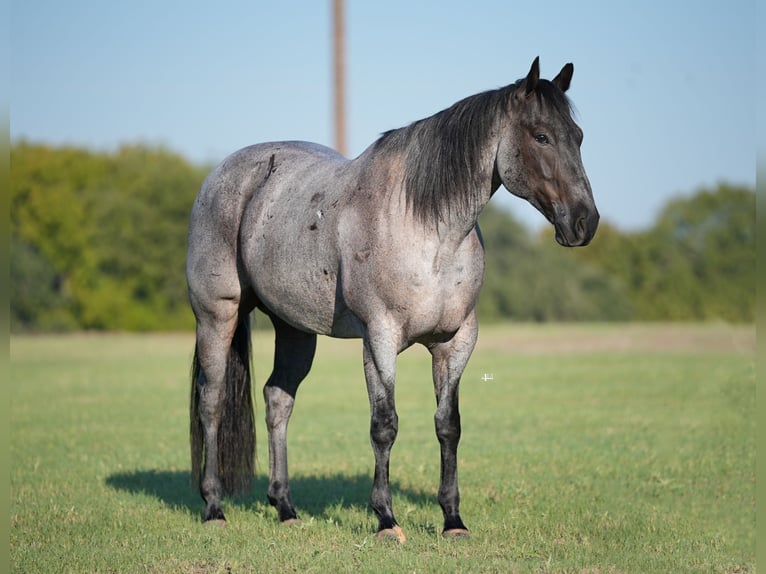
[{"x": 384, "y": 247}]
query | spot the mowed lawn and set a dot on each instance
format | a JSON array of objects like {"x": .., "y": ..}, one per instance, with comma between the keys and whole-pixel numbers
[{"x": 586, "y": 448}]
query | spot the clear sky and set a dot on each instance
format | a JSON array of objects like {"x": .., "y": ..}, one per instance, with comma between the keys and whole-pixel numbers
[{"x": 663, "y": 88}]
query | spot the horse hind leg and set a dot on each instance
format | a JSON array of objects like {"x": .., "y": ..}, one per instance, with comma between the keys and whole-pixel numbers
[
  {"x": 221, "y": 412},
  {"x": 293, "y": 355}
]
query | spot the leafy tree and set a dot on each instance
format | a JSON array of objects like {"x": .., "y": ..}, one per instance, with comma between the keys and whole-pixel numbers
[
  {"x": 98, "y": 241},
  {"x": 696, "y": 263},
  {"x": 36, "y": 300},
  {"x": 711, "y": 240},
  {"x": 111, "y": 230},
  {"x": 534, "y": 279}
]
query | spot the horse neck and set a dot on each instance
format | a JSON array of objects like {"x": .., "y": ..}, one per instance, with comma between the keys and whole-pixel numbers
[
  {"x": 447, "y": 188},
  {"x": 475, "y": 193},
  {"x": 459, "y": 225}
]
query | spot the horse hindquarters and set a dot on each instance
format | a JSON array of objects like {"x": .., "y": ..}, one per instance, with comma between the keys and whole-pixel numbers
[{"x": 221, "y": 413}]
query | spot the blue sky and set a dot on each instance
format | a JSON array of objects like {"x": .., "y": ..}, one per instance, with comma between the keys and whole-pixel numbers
[{"x": 663, "y": 89}]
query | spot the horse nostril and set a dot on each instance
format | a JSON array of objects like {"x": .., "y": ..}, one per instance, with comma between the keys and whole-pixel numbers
[{"x": 580, "y": 227}]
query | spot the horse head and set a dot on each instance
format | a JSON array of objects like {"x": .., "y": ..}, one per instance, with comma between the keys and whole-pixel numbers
[{"x": 538, "y": 158}]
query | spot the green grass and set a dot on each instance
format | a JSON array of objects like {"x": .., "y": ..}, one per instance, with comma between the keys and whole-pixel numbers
[{"x": 594, "y": 449}]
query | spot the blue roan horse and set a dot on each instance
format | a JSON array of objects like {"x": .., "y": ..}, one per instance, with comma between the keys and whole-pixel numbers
[{"x": 384, "y": 247}]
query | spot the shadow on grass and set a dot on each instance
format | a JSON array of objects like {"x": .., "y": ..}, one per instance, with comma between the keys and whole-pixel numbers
[{"x": 312, "y": 495}]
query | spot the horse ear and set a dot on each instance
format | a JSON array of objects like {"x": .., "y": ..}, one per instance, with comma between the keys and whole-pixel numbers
[
  {"x": 532, "y": 77},
  {"x": 564, "y": 78}
]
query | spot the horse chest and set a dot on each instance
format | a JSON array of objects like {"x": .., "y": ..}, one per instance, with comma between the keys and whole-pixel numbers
[
  {"x": 425, "y": 290},
  {"x": 441, "y": 305}
]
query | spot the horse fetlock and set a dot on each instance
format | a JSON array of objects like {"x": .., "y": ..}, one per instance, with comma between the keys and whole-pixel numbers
[
  {"x": 283, "y": 504},
  {"x": 211, "y": 492}
]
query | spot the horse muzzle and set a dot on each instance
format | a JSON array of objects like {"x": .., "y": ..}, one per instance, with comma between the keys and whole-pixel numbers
[{"x": 576, "y": 227}]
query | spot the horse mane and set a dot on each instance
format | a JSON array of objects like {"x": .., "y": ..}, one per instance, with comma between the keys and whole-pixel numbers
[{"x": 442, "y": 153}]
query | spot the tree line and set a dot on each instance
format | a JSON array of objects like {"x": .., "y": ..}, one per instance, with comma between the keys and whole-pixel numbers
[{"x": 98, "y": 241}]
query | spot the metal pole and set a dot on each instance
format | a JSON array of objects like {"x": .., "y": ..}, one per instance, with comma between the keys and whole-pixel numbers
[{"x": 340, "y": 76}]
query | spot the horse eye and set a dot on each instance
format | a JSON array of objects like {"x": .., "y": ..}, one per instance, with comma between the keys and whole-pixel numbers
[{"x": 541, "y": 139}]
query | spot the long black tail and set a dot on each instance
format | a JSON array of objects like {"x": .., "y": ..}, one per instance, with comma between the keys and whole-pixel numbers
[{"x": 236, "y": 435}]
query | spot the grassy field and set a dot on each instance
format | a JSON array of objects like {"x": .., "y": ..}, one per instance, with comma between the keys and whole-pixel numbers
[{"x": 592, "y": 449}]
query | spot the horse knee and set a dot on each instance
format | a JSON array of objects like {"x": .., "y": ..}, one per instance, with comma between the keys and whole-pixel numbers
[
  {"x": 277, "y": 492},
  {"x": 383, "y": 430},
  {"x": 448, "y": 428}
]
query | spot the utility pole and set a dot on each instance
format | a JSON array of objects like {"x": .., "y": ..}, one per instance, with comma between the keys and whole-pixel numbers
[{"x": 339, "y": 65}]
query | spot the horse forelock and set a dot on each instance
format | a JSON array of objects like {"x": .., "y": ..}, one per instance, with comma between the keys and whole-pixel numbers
[{"x": 551, "y": 96}]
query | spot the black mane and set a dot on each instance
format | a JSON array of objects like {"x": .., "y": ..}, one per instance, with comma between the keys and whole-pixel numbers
[{"x": 442, "y": 153}]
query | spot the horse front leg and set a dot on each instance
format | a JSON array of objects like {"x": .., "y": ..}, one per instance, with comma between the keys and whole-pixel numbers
[
  {"x": 379, "y": 370},
  {"x": 449, "y": 361}
]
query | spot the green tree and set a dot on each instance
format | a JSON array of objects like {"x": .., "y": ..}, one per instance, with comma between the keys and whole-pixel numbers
[
  {"x": 36, "y": 300},
  {"x": 696, "y": 263},
  {"x": 50, "y": 226},
  {"x": 140, "y": 242},
  {"x": 104, "y": 233},
  {"x": 709, "y": 242},
  {"x": 98, "y": 241},
  {"x": 535, "y": 279}
]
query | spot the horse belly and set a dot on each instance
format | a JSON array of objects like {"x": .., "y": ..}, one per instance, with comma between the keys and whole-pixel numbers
[
  {"x": 292, "y": 266},
  {"x": 295, "y": 285}
]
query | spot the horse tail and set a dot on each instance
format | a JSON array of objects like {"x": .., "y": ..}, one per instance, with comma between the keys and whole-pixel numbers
[{"x": 236, "y": 433}]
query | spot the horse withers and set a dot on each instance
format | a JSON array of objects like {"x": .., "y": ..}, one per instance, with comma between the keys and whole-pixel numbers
[{"x": 384, "y": 247}]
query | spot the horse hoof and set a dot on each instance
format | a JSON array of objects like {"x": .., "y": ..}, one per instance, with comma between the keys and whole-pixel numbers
[
  {"x": 396, "y": 534},
  {"x": 456, "y": 533},
  {"x": 219, "y": 522},
  {"x": 291, "y": 522}
]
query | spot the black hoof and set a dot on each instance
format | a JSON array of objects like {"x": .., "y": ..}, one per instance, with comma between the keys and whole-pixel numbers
[
  {"x": 455, "y": 524},
  {"x": 214, "y": 514},
  {"x": 285, "y": 511}
]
